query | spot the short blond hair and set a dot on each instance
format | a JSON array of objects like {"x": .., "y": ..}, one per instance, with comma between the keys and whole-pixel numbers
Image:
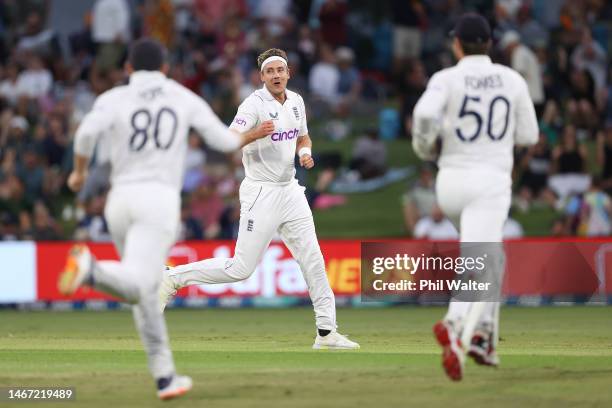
[{"x": 272, "y": 52}]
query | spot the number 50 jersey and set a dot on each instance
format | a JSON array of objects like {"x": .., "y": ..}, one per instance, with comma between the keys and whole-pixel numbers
[
  {"x": 146, "y": 124},
  {"x": 480, "y": 109}
]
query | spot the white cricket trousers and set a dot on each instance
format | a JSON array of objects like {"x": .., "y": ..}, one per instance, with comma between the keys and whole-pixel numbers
[
  {"x": 266, "y": 209},
  {"x": 143, "y": 221},
  {"x": 477, "y": 201}
]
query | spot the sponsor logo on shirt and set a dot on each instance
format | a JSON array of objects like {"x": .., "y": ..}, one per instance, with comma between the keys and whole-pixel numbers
[
  {"x": 286, "y": 135},
  {"x": 296, "y": 112},
  {"x": 240, "y": 121},
  {"x": 275, "y": 116},
  {"x": 250, "y": 224}
]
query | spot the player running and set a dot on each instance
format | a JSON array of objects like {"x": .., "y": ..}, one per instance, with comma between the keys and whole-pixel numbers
[
  {"x": 146, "y": 124},
  {"x": 272, "y": 201},
  {"x": 480, "y": 110}
]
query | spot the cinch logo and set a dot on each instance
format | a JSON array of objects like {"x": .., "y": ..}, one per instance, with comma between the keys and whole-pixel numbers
[
  {"x": 280, "y": 136},
  {"x": 240, "y": 121}
]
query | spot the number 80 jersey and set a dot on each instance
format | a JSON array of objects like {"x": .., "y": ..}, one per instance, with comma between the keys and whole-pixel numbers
[
  {"x": 481, "y": 110},
  {"x": 145, "y": 125}
]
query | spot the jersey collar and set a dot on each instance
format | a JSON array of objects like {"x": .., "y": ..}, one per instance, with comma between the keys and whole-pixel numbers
[
  {"x": 269, "y": 97},
  {"x": 146, "y": 77},
  {"x": 475, "y": 59}
]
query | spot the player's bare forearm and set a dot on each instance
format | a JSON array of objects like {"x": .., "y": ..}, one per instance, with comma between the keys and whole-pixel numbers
[
  {"x": 258, "y": 132},
  {"x": 303, "y": 141},
  {"x": 79, "y": 173},
  {"x": 304, "y": 151}
]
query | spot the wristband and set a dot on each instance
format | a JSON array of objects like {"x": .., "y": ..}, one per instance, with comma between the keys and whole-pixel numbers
[{"x": 304, "y": 150}]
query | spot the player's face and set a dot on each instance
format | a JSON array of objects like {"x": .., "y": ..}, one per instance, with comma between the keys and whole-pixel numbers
[{"x": 275, "y": 75}]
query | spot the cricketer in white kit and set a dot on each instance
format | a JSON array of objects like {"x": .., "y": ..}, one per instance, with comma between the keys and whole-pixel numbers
[
  {"x": 272, "y": 201},
  {"x": 480, "y": 111},
  {"x": 146, "y": 124}
]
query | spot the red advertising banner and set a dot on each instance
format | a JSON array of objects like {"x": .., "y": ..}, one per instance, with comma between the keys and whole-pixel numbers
[
  {"x": 533, "y": 267},
  {"x": 278, "y": 274}
]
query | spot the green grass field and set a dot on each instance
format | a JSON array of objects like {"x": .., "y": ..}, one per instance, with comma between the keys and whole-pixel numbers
[{"x": 551, "y": 357}]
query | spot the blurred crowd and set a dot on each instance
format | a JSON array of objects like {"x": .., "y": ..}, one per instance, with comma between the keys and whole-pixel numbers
[{"x": 348, "y": 60}]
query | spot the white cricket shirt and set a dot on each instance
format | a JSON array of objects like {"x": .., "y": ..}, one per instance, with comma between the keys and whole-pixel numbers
[
  {"x": 480, "y": 110},
  {"x": 271, "y": 159},
  {"x": 146, "y": 124}
]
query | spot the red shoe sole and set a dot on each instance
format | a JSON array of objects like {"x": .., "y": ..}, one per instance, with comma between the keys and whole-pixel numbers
[{"x": 450, "y": 360}]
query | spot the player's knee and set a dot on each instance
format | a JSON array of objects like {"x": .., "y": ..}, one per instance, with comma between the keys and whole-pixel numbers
[{"x": 240, "y": 270}]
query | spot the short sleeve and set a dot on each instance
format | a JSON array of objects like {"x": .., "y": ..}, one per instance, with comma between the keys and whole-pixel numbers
[
  {"x": 246, "y": 118},
  {"x": 303, "y": 122}
]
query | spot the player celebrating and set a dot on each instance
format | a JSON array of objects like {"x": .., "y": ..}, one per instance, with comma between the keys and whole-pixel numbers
[
  {"x": 146, "y": 124},
  {"x": 271, "y": 201},
  {"x": 480, "y": 110}
]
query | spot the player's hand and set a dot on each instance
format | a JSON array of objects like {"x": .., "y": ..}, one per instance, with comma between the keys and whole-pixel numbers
[
  {"x": 76, "y": 181},
  {"x": 264, "y": 129},
  {"x": 306, "y": 161}
]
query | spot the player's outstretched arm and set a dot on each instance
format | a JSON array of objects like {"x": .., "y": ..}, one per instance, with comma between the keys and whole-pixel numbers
[{"x": 304, "y": 151}]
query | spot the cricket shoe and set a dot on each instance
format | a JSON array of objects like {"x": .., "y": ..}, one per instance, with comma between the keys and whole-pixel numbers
[
  {"x": 174, "y": 387},
  {"x": 167, "y": 289},
  {"x": 77, "y": 271},
  {"x": 453, "y": 356},
  {"x": 334, "y": 341},
  {"x": 482, "y": 349}
]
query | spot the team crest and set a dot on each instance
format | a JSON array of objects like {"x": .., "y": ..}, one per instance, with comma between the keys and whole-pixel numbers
[{"x": 296, "y": 112}]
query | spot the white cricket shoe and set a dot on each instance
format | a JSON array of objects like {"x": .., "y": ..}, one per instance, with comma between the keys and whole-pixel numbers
[
  {"x": 78, "y": 269},
  {"x": 167, "y": 289},
  {"x": 334, "y": 341},
  {"x": 179, "y": 385}
]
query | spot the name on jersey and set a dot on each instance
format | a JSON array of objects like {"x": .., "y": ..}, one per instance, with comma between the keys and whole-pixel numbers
[
  {"x": 484, "y": 82},
  {"x": 288, "y": 135}
]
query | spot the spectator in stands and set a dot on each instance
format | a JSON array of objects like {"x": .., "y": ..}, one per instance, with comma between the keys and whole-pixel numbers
[
  {"x": 349, "y": 82},
  {"x": 230, "y": 220},
  {"x": 194, "y": 163},
  {"x": 590, "y": 212},
  {"x": 36, "y": 80},
  {"x": 590, "y": 56},
  {"x": 8, "y": 86},
  {"x": 325, "y": 77},
  {"x": 44, "y": 227},
  {"x": 190, "y": 228},
  {"x": 569, "y": 167},
  {"x": 535, "y": 167},
  {"x": 93, "y": 227},
  {"x": 581, "y": 106},
  {"x": 420, "y": 199},
  {"x": 530, "y": 30},
  {"x": 409, "y": 18},
  {"x": 111, "y": 31},
  {"x": 525, "y": 62},
  {"x": 369, "y": 157},
  {"x": 38, "y": 40},
  {"x": 30, "y": 169},
  {"x": 412, "y": 86},
  {"x": 332, "y": 19},
  {"x": 158, "y": 20},
  {"x": 435, "y": 226},
  {"x": 604, "y": 157}
]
